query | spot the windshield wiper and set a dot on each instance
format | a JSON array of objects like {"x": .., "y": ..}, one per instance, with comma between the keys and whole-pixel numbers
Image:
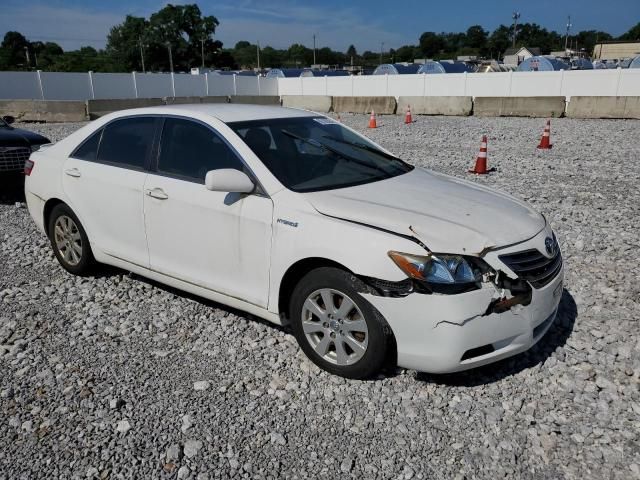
[
  {"x": 349, "y": 158},
  {"x": 366, "y": 147}
]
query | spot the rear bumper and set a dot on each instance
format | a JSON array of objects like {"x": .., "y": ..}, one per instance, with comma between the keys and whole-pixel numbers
[
  {"x": 35, "y": 205},
  {"x": 450, "y": 333}
]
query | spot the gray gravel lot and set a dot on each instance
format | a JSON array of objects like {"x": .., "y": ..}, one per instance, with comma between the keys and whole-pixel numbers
[{"x": 117, "y": 377}]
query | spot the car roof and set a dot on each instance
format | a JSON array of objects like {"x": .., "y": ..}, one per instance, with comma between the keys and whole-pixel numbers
[{"x": 225, "y": 112}]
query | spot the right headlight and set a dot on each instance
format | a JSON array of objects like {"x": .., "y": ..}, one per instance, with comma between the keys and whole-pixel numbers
[{"x": 437, "y": 268}]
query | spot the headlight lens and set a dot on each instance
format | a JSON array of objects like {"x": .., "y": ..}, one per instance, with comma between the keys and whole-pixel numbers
[{"x": 436, "y": 268}]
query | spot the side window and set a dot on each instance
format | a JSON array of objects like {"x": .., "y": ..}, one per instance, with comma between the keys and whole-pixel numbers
[
  {"x": 190, "y": 150},
  {"x": 89, "y": 149},
  {"x": 127, "y": 142}
]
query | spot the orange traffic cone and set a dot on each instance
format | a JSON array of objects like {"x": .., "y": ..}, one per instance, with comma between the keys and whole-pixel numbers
[
  {"x": 372, "y": 120},
  {"x": 481, "y": 161},
  {"x": 545, "y": 141},
  {"x": 407, "y": 115}
]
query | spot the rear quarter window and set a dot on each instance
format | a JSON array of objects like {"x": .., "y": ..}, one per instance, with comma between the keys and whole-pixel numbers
[{"x": 88, "y": 150}]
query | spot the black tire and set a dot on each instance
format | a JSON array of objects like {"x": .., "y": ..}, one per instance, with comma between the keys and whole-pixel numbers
[
  {"x": 378, "y": 335},
  {"x": 84, "y": 263}
]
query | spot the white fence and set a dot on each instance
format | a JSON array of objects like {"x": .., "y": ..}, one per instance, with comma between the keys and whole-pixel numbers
[
  {"x": 619, "y": 82},
  {"x": 84, "y": 86}
]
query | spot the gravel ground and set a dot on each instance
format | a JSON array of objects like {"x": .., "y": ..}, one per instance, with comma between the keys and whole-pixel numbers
[{"x": 117, "y": 377}]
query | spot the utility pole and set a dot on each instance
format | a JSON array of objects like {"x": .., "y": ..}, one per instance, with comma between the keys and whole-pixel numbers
[
  {"x": 381, "y": 50},
  {"x": 202, "y": 51},
  {"x": 515, "y": 16},
  {"x": 314, "y": 49},
  {"x": 141, "y": 54},
  {"x": 26, "y": 52},
  {"x": 566, "y": 37},
  {"x": 258, "y": 49},
  {"x": 170, "y": 56}
]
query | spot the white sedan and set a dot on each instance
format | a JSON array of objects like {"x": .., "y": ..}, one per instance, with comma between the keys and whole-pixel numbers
[{"x": 297, "y": 219}]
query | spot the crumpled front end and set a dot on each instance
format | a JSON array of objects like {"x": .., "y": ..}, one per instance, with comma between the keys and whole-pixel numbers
[{"x": 441, "y": 333}]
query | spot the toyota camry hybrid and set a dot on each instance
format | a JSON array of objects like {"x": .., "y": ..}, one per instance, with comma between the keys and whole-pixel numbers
[{"x": 295, "y": 218}]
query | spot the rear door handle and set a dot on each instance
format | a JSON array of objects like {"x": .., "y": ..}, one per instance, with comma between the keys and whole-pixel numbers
[
  {"x": 157, "y": 193},
  {"x": 72, "y": 172}
]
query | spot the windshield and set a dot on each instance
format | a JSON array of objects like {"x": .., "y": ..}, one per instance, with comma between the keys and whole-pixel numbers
[{"x": 308, "y": 154}]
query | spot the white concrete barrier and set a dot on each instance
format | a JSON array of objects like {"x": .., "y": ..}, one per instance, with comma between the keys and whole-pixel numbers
[
  {"x": 315, "y": 103},
  {"x": 44, "y": 110},
  {"x": 461, "y": 106},
  {"x": 604, "y": 107},
  {"x": 381, "y": 105},
  {"x": 518, "y": 106}
]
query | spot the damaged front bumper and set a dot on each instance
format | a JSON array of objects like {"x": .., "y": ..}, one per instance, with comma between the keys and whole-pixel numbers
[{"x": 449, "y": 333}]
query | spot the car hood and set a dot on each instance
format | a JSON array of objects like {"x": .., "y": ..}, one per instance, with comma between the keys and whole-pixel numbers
[
  {"x": 445, "y": 213},
  {"x": 16, "y": 137}
]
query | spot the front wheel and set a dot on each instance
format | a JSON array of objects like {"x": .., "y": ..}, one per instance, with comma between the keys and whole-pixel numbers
[
  {"x": 336, "y": 327},
  {"x": 69, "y": 241}
]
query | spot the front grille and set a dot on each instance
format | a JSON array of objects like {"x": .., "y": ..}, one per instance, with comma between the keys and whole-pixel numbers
[
  {"x": 477, "y": 352},
  {"x": 533, "y": 266},
  {"x": 13, "y": 158}
]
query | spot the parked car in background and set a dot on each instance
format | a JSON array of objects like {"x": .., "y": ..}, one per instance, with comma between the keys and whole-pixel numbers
[
  {"x": 16, "y": 146},
  {"x": 296, "y": 218}
]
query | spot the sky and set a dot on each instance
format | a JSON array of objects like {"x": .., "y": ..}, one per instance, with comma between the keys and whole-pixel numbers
[{"x": 337, "y": 24}]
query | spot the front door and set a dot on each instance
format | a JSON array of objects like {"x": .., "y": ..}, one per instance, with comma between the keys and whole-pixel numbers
[{"x": 220, "y": 241}]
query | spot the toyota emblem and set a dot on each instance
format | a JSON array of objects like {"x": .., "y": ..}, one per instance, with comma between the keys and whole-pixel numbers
[{"x": 550, "y": 246}]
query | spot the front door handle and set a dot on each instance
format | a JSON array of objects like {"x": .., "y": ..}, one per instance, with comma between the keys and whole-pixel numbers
[
  {"x": 72, "y": 172},
  {"x": 157, "y": 193}
]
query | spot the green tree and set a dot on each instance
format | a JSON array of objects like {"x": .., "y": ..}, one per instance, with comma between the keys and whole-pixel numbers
[
  {"x": 45, "y": 54},
  {"x": 453, "y": 43},
  {"x": 299, "y": 56},
  {"x": 476, "y": 38},
  {"x": 352, "y": 55},
  {"x": 246, "y": 54},
  {"x": 499, "y": 41},
  {"x": 533, "y": 35},
  {"x": 632, "y": 34},
  {"x": 587, "y": 39},
  {"x": 406, "y": 53},
  {"x": 125, "y": 41},
  {"x": 431, "y": 44},
  {"x": 14, "y": 47},
  {"x": 270, "y": 57},
  {"x": 181, "y": 28}
]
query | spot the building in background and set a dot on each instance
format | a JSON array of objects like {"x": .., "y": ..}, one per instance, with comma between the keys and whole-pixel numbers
[
  {"x": 616, "y": 50},
  {"x": 515, "y": 56}
]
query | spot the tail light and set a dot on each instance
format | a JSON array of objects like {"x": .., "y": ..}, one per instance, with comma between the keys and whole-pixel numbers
[{"x": 28, "y": 166}]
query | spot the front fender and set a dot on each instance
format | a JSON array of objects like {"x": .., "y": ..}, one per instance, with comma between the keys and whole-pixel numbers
[{"x": 300, "y": 232}]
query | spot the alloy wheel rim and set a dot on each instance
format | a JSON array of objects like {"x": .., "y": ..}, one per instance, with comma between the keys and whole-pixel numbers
[
  {"x": 68, "y": 240},
  {"x": 335, "y": 327}
]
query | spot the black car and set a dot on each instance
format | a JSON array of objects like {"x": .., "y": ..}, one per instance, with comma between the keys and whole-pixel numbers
[{"x": 16, "y": 145}]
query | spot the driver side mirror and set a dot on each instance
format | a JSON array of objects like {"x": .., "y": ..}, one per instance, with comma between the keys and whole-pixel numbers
[
  {"x": 9, "y": 119},
  {"x": 228, "y": 180}
]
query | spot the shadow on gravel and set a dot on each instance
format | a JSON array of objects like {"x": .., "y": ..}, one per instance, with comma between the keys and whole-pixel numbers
[
  {"x": 555, "y": 338},
  {"x": 105, "y": 271},
  {"x": 11, "y": 188}
]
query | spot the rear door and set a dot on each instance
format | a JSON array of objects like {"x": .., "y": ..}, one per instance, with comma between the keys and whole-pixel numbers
[
  {"x": 104, "y": 180},
  {"x": 217, "y": 240}
]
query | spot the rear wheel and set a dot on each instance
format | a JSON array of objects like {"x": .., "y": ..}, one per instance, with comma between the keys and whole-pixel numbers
[
  {"x": 69, "y": 241},
  {"x": 336, "y": 327}
]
